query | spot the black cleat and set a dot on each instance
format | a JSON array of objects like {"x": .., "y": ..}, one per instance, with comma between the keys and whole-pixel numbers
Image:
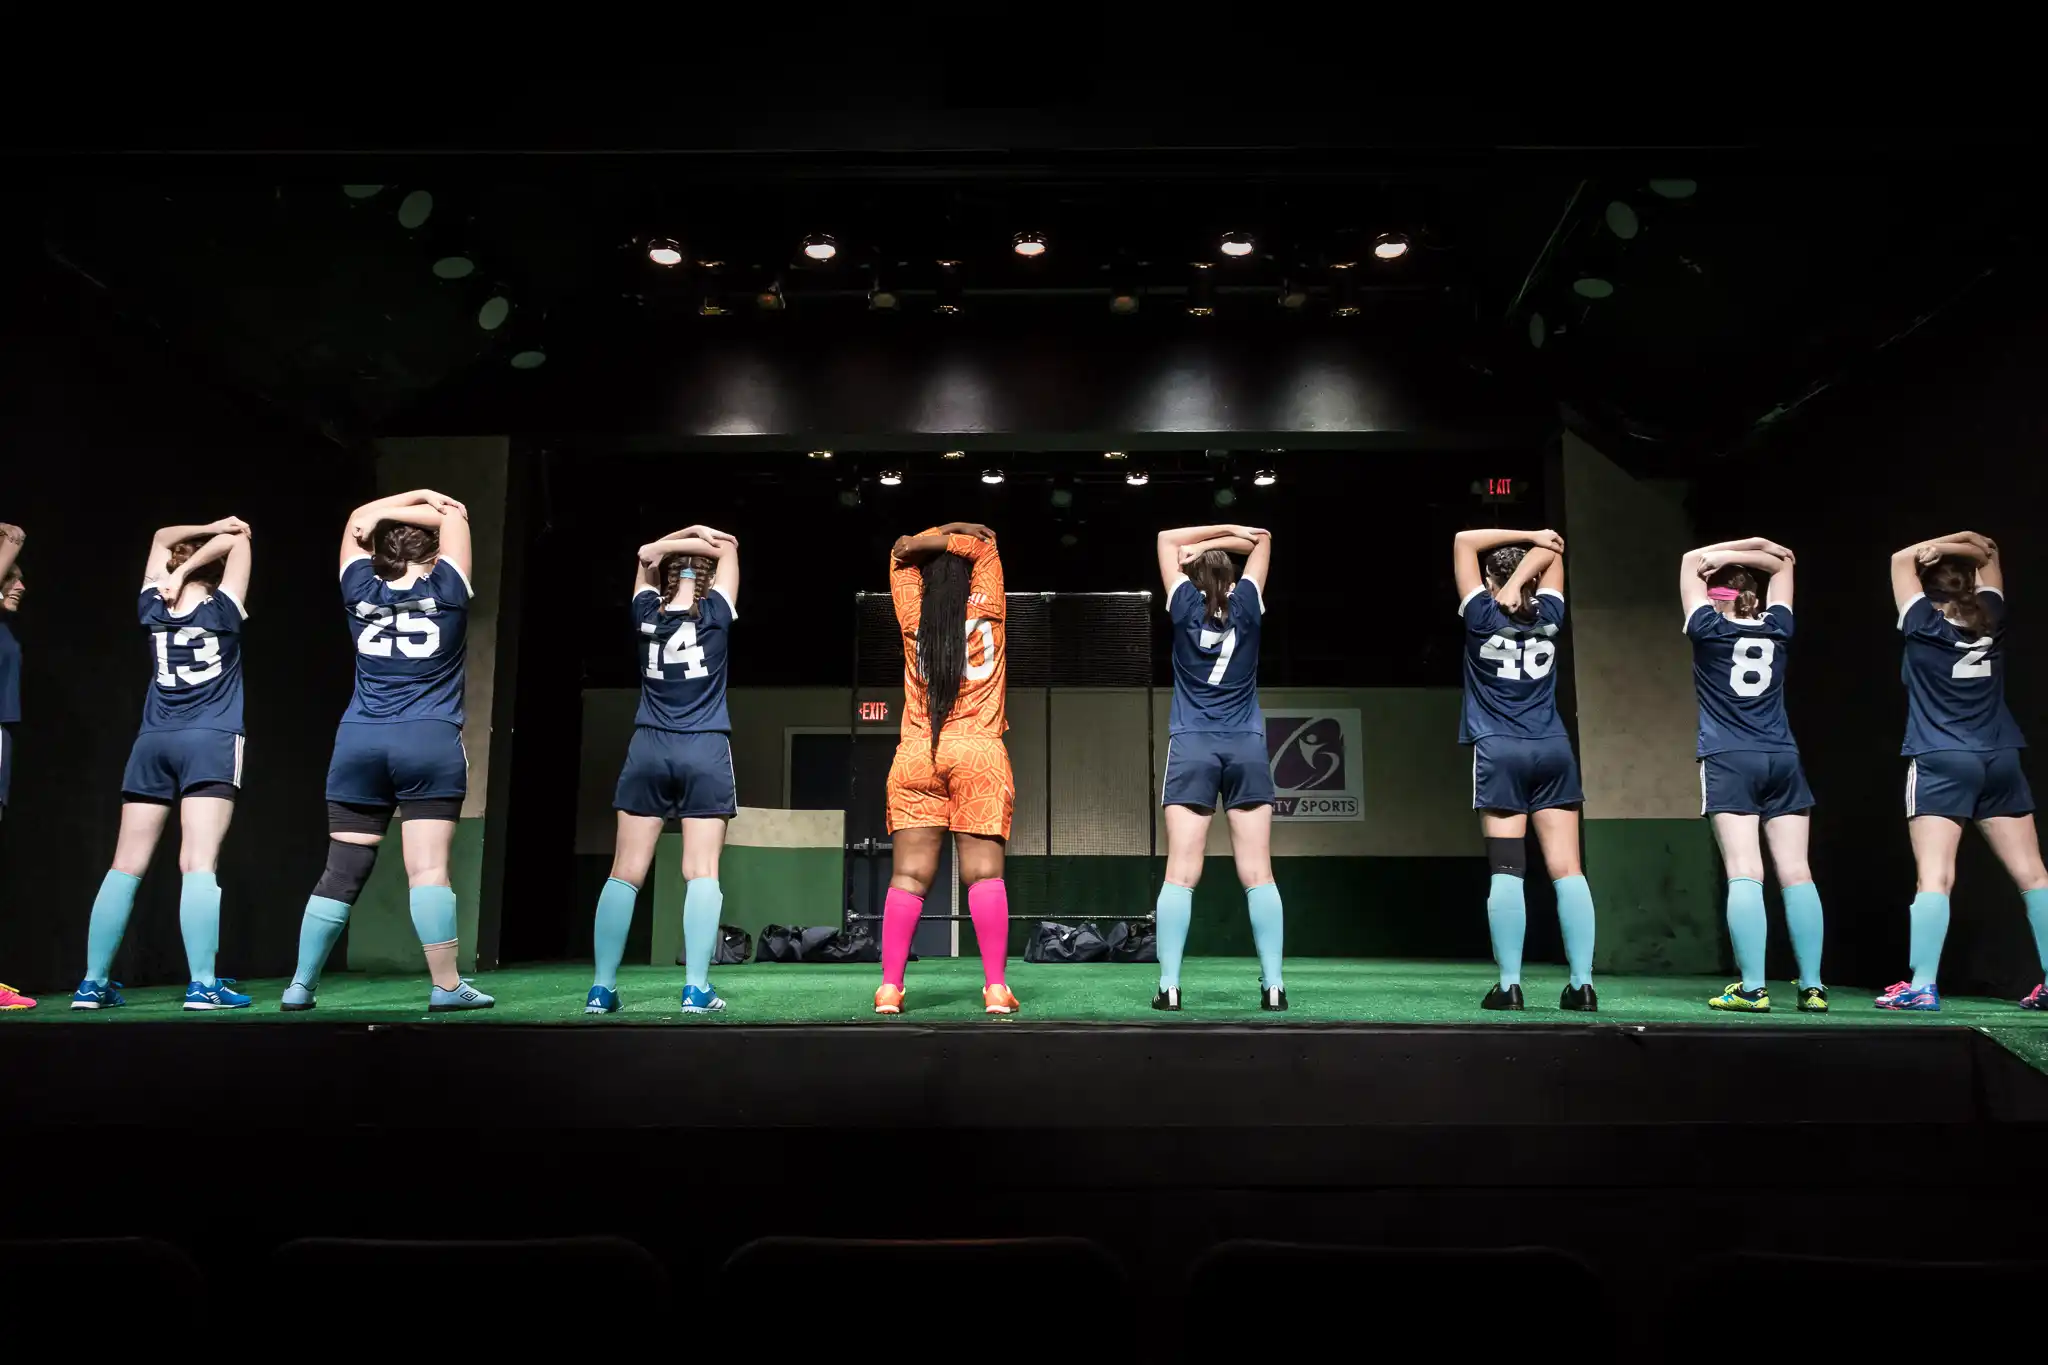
[
  {"x": 1579, "y": 998},
  {"x": 1273, "y": 999},
  {"x": 1502, "y": 998},
  {"x": 1167, "y": 999}
]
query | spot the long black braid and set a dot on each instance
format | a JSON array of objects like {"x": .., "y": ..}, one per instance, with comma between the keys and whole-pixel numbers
[{"x": 942, "y": 636}]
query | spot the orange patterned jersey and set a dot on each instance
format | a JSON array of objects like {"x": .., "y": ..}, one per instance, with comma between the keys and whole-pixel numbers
[{"x": 978, "y": 710}]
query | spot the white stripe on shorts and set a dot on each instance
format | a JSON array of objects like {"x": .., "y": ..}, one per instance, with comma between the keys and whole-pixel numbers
[
  {"x": 1912, "y": 782},
  {"x": 238, "y": 761},
  {"x": 1475, "y": 777},
  {"x": 1703, "y": 786},
  {"x": 1166, "y": 771}
]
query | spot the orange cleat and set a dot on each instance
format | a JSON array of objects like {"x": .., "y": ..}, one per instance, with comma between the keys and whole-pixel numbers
[
  {"x": 997, "y": 999},
  {"x": 888, "y": 999},
  {"x": 12, "y": 999}
]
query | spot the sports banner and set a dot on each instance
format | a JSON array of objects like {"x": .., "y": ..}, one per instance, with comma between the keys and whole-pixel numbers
[{"x": 1314, "y": 757}]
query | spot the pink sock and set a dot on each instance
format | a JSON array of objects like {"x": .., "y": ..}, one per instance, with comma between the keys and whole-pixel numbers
[
  {"x": 988, "y": 903},
  {"x": 900, "y": 910}
]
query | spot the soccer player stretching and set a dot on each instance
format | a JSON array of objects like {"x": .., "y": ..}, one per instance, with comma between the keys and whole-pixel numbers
[
  {"x": 1963, "y": 746},
  {"x": 12, "y": 590},
  {"x": 405, "y": 592},
  {"x": 951, "y": 770},
  {"x": 679, "y": 766},
  {"x": 195, "y": 597},
  {"x": 1511, "y": 600},
  {"x": 1749, "y": 762},
  {"x": 1216, "y": 746}
]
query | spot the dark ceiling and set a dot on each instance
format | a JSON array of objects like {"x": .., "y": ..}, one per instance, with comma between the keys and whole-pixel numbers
[{"x": 1733, "y": 276}]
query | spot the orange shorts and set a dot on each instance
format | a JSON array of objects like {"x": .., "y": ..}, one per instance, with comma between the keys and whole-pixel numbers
[{"x": 966, "y": 788}]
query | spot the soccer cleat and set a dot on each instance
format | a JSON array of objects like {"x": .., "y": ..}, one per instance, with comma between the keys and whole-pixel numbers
[
  {"x": 1167, "y": 999},
  {"x": 1926, "y": 997},
  {"x": 602, "y": 1000},
  {"x": 888, "y": 999},
  {"x": 1813, "y": 999},
  {"x": 199, "y": 996},
  {"x": 297, "y": 997},
  {"x": 701, "y": 1000},
  {"x": 12, "y": 999},
  {"x": 997, "y": 999},
  {"x": 1735, "y": 998},
  {"x": 1272, "y": 997},
  {"x": 2037, "y": 999},
  {"x": 1502, "y": 998},
  {"x": 1579, "y": 998},
  {"x": 1891, "y": 993},
  {"x": 463, "y": 997},
  {"x": 91, "y": 995}
]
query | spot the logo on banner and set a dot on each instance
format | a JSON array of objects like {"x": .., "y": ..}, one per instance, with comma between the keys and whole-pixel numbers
[{"x": 1314, "y": 761}]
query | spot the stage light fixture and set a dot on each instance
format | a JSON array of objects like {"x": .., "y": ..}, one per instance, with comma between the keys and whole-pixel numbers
[
  {"x": 1062, "y": 497},
  {"x": 531, "y": 358},
  {"x": 1344, "y": 280},
  {"x": 821, "y": 454},
  {"x": 1202, "y": 291},
  {"x": 1265, "y": 478},
  {"x": 456, "y": 267},
  {"x": 665, "y": 251},
  {"x": 953, "y": 455},
  {"x": 1390, "y": 246},
  {"x": 769, "y": 298},
  {"x": 991, "y": 476},
  {"x": 1137, "y": 478},
  {"x": 1622, "y": 220},
  {"x": 1028, "y": 244},
  {"x": 362, "y": 191},
  {"x": 1674, "y": 189},
  {"x": 881, "y": 298},
  {"x": 1226, "y": 496},
  {"x": 1125, "y": 285},
  {"x": 820, "y": 246},
  {"x": 951, "y": 290},
  {"x": 415, "y": 209},
  {"x": 890, "y": 478},
  {"x": 1114, "y": 455},
  {"x": 1592, "y": 287},
  {"x": 1236, "y": 244},
  {"x": 849, "y": 497},
  {"x": 491, "y": 314},
  {"x": 1293, "y": 294}
]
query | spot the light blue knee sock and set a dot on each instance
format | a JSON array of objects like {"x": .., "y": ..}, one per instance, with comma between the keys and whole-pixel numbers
[
  {"x": 1575, "y": 922},
  {"x": 1263, "y": 901},
  {"x": 109, "y": 921},
  {"x": 1170, "y": 917},
  {"x": 608, "y": 935},
  {"x": 1930, "y": 930},
  {"x": 2037, "y": 916},
  {"x": 433, "y": 914},
  {"x": 318, "y": 931},
  {"x": 1747, "y": 929},
  {"x": 702, "y": 900},
  {"x": 199, "y": 922},
  {"x": 1803, "y": 924},
  {"x": 1507, "y": 921}
]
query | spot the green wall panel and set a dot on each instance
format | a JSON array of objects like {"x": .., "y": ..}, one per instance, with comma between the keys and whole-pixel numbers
[
  {"x": 1657, "y": 889},
  {"x": 380, "y": 932},
  {"x": 762, "y": 886}
]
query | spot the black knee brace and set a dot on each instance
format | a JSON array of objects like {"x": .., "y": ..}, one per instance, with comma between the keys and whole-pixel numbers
[
  {"x": 432, "y": 808},
  {"x": 348, "y": 867},
  {"x": 1508, "y": 855},
  {"x": 346, "y": 818}
]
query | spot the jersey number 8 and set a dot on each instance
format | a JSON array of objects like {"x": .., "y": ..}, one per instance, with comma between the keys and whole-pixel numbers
[
  {"x": 1750, "y": 674},
  {"x": 1516, "y": 656}
]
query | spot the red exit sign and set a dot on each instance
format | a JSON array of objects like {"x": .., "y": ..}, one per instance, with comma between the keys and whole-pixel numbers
[
  {"x": 1498, "y": 489},
  {"x": 874, "y": 711}
]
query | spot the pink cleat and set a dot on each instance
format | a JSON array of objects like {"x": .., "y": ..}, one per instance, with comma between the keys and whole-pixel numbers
[
  {"x": 1892, "y": 993},
  {"x": 2037, "y": 999},
  {"x": 12, "y": 999}
]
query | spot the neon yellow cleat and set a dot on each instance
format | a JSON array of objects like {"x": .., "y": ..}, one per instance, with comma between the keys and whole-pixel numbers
[
  {"x": 1757, "y": 1001},
  {"x": 1813, "y": 999}
]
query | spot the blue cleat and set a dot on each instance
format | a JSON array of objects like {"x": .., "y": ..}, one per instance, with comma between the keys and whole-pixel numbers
[
  {"x": 701, "y": 1000},
  {"x": 92, "y": 995},
  {"x": 298, "y": 997},
  {"x": 603, "y": 1000},
  {"x": 1926, "y": 997},
  {"x": 199, "y": 996},
  {"x": 463, "y": 997}
]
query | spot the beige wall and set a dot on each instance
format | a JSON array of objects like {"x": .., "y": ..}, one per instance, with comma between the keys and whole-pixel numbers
[
  {"x": 1632, "y": 667},
  {"x": 1417, "y": 780}
]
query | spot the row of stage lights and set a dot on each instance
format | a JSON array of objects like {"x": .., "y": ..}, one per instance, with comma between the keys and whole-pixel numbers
[
  {"x": 823, "y": 249},
  {"x": 1136, "y": 478}
]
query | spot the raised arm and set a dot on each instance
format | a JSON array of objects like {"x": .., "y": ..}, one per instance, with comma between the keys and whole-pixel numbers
[
  {"x": 1699, "y": 565},
  {"x": 232, "y": 545},
  {"x": 414, "y": 509},
  {"x": 1968, "y": 546},
  {"x": 1468, "y": 546},
  {"x": 910, "y": 550},
  {"x": 1537, "y": 567},
  {"x": 709, "y": 544},
  {"x": 157, "y": 565},
  {"x": 11, "y": 540},
  {"x": 1177, "y": 547},
  {"x": 1768, "y": 546}
]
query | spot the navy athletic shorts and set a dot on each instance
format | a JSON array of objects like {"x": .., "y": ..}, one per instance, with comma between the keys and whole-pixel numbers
[
  {"x": 1517, "y": 776},
  {"x": 1966, "y": 785},
  {"x": 405, "y": 760},
  {"x": 165, "y": 764},
  {"x": 677, "y": 776},
  {"x": 1751, "y": 782},
  {"x": 1212, "y": 770}
]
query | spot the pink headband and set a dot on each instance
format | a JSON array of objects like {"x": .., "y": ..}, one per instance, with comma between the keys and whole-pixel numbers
[{"x": 1723, "y": 594}]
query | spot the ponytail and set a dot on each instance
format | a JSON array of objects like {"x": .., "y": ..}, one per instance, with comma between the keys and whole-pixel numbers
[
  {"x": 395, "y": 544},
  {"x": 1951, "y": 583},
  {"x": 671, "y": 576},
  {"x": 1213, "y": 576}
]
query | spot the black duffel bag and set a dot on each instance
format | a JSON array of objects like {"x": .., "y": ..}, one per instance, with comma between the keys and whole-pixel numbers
[
  {"x": 779, "y": 944},
  {"x": 1051, "y": 942},
  {"x": 734, "y": 946},
  {"x": 855, "y": 943},
  {"x": 1130, "y": 942}
]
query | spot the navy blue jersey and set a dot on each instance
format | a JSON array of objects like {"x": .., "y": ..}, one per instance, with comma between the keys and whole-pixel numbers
[
  {"x": 1510, "y": 677},
  {"x": 1955, "y": 682},
  {"x": 10, "y": 674},
  {"x": 410, "y": 644},
  {"x": 1738, "y": 670},
  {"x": 1216, "y": 663},
  {"x": 682, "y": 663},
  {"x": 195, "y": 662}
]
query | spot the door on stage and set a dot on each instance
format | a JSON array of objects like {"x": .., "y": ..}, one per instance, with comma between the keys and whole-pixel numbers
[{"x": 820, "y": 766}]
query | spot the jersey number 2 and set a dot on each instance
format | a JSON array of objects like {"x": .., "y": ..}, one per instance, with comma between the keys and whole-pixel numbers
[
  {"x": 208, "y": 653},
  {"x": 682, "y": 648},
  {"x": 1975, "y": 663},
  {"x": 1515, "y": 656}
]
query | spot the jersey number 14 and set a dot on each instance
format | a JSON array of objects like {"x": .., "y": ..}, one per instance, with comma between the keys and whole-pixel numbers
[{"x": 682, "y": 648}]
